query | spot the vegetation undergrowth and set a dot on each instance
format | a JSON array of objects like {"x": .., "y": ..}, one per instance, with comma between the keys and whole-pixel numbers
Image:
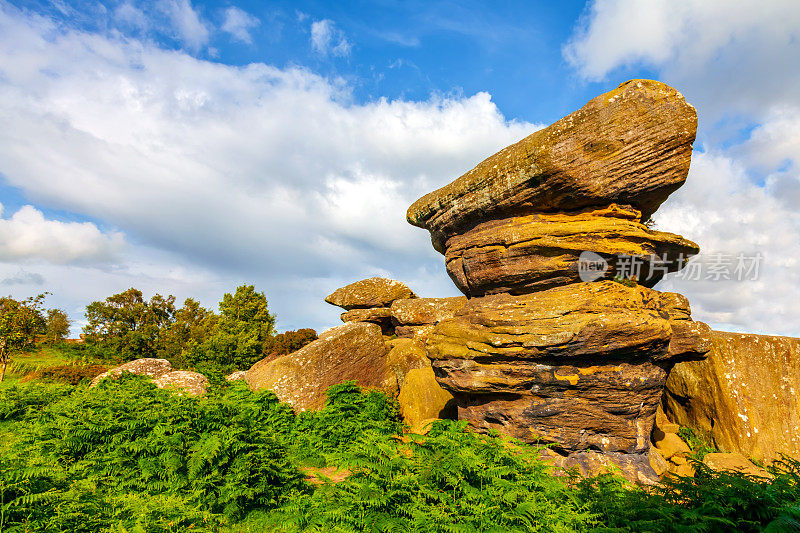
[{"x": 128, "y": 457}]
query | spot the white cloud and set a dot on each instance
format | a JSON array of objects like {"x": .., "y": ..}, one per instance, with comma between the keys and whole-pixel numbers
[
  {"x": 186, "y": 22},
  {"x": 246, "y": 174},
  {"x": 130, "y": 15},
  {"x": 327, "y": 39},
  {"x": 28, "y": 235},
  {"x": 736, "y": 61},
  {"x": 239, "y": 23}
]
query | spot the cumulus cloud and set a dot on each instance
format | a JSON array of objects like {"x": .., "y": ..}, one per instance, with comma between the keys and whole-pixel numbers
[
  {"x": 327, "y": 39},
  {"x": 187, "y": 23},
  {"x": 246, "y": 174},
  {"x": 734, "y": 61},
  {"x": 727, "y": 56},
  {"x": 239, "y": 23},
  {"x": 29, "y": 235}
]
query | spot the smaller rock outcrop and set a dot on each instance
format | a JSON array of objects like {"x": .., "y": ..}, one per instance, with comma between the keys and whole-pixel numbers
[
  {"x": 146, "y": 366},
  {"x": 368, "y": 293},
  {"x": 744, "y": 397},
  {"x": 184, "y": 382},
  {"x": 369, "y": 300},
  {"x": 236, "y": 376},
  {"x": 353, "y": 351}
]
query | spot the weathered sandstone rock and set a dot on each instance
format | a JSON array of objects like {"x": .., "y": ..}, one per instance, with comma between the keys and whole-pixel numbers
[
  {"x": 533, "y": 252},
  {"x": 405, "y": 355},
  {"x": 631, "y": 145},
  {"x": 422, "y": 398},
  {"x": 236, "y": 376},
  {"x": 376, "y": 315},
  {"x": 416, "y": 317},
  {"x": 191, "y": 383},
  {"x": 146, "y": 366},
  {"x": 734, "y": 462},
  {"x": 352, "y": 351},
  {"x": 371, "y": 292},
  {"x": 745, "y": 397},
  {"x": 581, "y": 366}
]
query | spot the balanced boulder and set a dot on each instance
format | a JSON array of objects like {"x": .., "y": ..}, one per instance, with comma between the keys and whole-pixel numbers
[
  {"x": 368, "y": 293},
  {"x": 629, "y": 146}
]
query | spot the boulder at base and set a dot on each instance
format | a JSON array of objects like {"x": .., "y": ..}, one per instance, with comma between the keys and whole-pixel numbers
[
  {"x": 371, "y": 292},
  {"x": 353, "y": 351},
  {"x": 184, "y": 381},
  {"x": 146, "y": 366},
  {"x": 734, "y": 462},
  {"x": 745, "y": 397},
  {"x": 422, "y": 399}
]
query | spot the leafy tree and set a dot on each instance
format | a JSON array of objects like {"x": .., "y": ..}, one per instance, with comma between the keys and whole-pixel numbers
[
  {"x": 56, "y": 326},
  {"x": 289, "y": 341},
  {"x": 193, "y": 324},
  {"x": 243, "y": 326},
  {"x": 20, "y": 323},
  {"x": 127, "y": 325}
]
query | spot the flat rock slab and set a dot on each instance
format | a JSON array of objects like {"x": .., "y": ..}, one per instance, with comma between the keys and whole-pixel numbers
[
  {"x": 581, "y": 366},
  {"x": 745, "y": 397},
  {"x": 353, "y": 351},
  {"x": 529, "y": 253},
  {"x": 371, "y": 292},
  {"x": 631, "y": 145}
]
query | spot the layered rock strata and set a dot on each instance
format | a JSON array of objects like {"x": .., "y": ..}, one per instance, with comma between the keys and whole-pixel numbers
[
  {"x": 539, "y": 352},
  {"x": 581, "y": 367},
  {"x": 522, "y": 254}
]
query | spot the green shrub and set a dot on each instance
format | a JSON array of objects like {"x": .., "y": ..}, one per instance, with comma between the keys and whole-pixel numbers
[{"x": 216, "y": 458}]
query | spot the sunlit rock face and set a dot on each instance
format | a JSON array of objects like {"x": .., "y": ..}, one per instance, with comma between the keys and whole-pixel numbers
[{"x": 539, "y": 352}]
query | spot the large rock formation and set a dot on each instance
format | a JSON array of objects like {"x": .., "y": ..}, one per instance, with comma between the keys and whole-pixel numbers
[
  {"x": 632, "y": 145},
  {"x": 745, "y": 397},
  {"x": 353, "y": 351},
  {"x": 538, "y": 352},
  {"x": 581, "y": 367}
]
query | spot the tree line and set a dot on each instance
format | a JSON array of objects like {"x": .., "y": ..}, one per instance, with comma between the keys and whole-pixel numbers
[{"x": 126, "y": 326}]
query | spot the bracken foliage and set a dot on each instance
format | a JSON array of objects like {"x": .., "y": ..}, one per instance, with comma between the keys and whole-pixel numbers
[{"x": 128, "y": 457}]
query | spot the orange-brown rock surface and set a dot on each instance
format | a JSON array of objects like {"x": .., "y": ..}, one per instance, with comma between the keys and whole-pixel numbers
[
  {"x": 416, "y": 317},
  {"x": 631, "y": 146},
  {"x": 523, "y": 254},
  {"x": 745, "y": 397},
  {"x": 581, "y": 366},
  {"x": 371, "y": 292},
  {"x": 353, "y": 351}
]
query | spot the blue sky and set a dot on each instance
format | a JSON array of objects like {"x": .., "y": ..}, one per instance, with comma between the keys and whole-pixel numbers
[{"x": 186, "y": 147}]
